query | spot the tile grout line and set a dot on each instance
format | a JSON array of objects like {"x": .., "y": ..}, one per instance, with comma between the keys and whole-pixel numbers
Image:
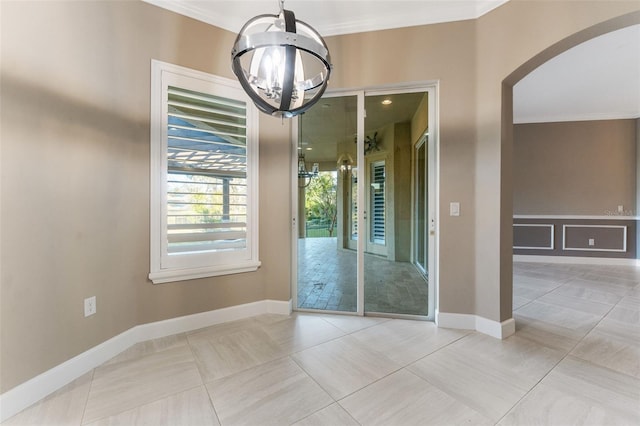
[
  {"x": 335, "y": 401},
  {"x": 86, "y": 401},
  {"x": 405, "y": 367},
  {"x": 204, "y": 385}
]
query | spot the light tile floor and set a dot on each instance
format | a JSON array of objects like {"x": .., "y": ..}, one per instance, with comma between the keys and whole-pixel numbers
[{"x": 574, "y": 360}]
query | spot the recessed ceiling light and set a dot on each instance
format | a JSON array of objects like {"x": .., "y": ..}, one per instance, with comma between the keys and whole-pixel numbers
[
  {"x": 309, "y": 149},
  {"x": 387, "y": 102}
]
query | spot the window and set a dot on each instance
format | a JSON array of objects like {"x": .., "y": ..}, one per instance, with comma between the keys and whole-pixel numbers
[
  {"x": 378, "y": 205},
  {"x": 204, "y": 171}
]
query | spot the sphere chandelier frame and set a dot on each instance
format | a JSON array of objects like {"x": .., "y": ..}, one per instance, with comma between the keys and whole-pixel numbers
[{"x": 280, "y": 50}]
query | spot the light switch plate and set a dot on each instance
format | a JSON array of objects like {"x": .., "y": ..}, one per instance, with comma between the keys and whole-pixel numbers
[{"x": 454, "y": 209}]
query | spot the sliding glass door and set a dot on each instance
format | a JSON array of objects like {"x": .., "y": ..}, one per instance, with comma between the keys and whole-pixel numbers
[{"x": 363, "y": 218}]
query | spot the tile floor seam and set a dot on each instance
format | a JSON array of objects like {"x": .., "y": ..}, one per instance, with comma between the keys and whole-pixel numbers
[
  {"x": 349, "y": 333},
  {"x": 319, "y": 343},
  {"x": 372, "y": 383},
  {"x": 213, "y": 405},
  {"x": 137, "y": 358},
  {"x": 347, "y": 411},
  {"x": 193, "y": 355},
  {"x": 541, "y": 379},
  {"x": 86, "y": 400},
  {"x": 357, "y": 390},
  {"x": 455, "y": 397},
  {"x": 205, "y": 383},
  {"x": 568, "y": 353},
  {"x": 578, "y": 357},
  {"x": 537, "y": 298},
  {"x": 440, "y": 348},
  {"x": 319, "y": 409},
  {"x": 144, "y": 404},
  {"x": 315, "y": 381}
]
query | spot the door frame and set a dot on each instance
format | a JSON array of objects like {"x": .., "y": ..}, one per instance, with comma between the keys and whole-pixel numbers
[{"x": 430, "y": 87}]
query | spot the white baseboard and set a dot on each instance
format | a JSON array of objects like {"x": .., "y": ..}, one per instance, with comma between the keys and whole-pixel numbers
[
  {"x": 459, "y": 321},
  {"x": 499, "y": 330},
  {"x": 32, "y": 391},
  {"x": 575, "y": 260}
]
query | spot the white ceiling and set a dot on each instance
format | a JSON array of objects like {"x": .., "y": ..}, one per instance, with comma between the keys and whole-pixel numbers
[
  {"x": 333, "y": 17},
  {"x": 596, "y": 80},
  {"x": 599, "y": 79}
]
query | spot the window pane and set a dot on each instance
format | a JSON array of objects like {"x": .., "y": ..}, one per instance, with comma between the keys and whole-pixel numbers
[{"x": 206, "y": 173}]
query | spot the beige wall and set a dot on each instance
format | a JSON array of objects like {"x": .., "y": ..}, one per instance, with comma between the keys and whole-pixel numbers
[
  {"x": 402, "y": 209},
  {"x": 574, "y": 168},
  {"x": 75, "y": 179},
  {"x": 75, "y": 162}
]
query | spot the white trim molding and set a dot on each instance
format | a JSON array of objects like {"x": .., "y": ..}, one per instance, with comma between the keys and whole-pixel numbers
[
  {"x": 612, "y": 216},
  {"x": 204, "y": 258},
  {"x": 32, "y": 391},
  {"x": 576, "y": 260},
  {"x": 499, "y": 330},
  {"x": 539, "y": 225},
  {"x": 624, "y": 238},
  {"x": 233, "y": 15}
]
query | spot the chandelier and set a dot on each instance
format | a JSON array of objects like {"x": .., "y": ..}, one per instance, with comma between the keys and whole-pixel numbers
[
  {"x": 305, "y": 176},
  {"x": 283, "y": 64}
]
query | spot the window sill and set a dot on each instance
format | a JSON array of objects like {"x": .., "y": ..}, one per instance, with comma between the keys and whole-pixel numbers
[{"x": 171, "y": 275}]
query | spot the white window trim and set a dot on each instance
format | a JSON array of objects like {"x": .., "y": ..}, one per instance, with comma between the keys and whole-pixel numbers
[{"x": 197, "y": 265}]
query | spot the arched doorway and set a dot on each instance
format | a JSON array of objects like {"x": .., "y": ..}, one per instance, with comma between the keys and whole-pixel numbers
[{"x": 507, "y": 126}]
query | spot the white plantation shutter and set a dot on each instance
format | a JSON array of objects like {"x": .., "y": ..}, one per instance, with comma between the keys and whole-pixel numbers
[
  {"x": 378, "y": 202},
  {"x": 207, "y": 172}
]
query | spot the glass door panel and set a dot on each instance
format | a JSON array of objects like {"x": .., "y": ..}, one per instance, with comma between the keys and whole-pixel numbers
[
  {"x": 393, "y": 280},
  {"x": 327, "y": 206}
]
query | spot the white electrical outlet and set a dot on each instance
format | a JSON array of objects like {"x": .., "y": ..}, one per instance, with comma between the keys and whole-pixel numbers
[
  {"x": 592, "y": 242},
  {"x": 620, "y": 209},
  {"x": 89, "y": 306}
]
